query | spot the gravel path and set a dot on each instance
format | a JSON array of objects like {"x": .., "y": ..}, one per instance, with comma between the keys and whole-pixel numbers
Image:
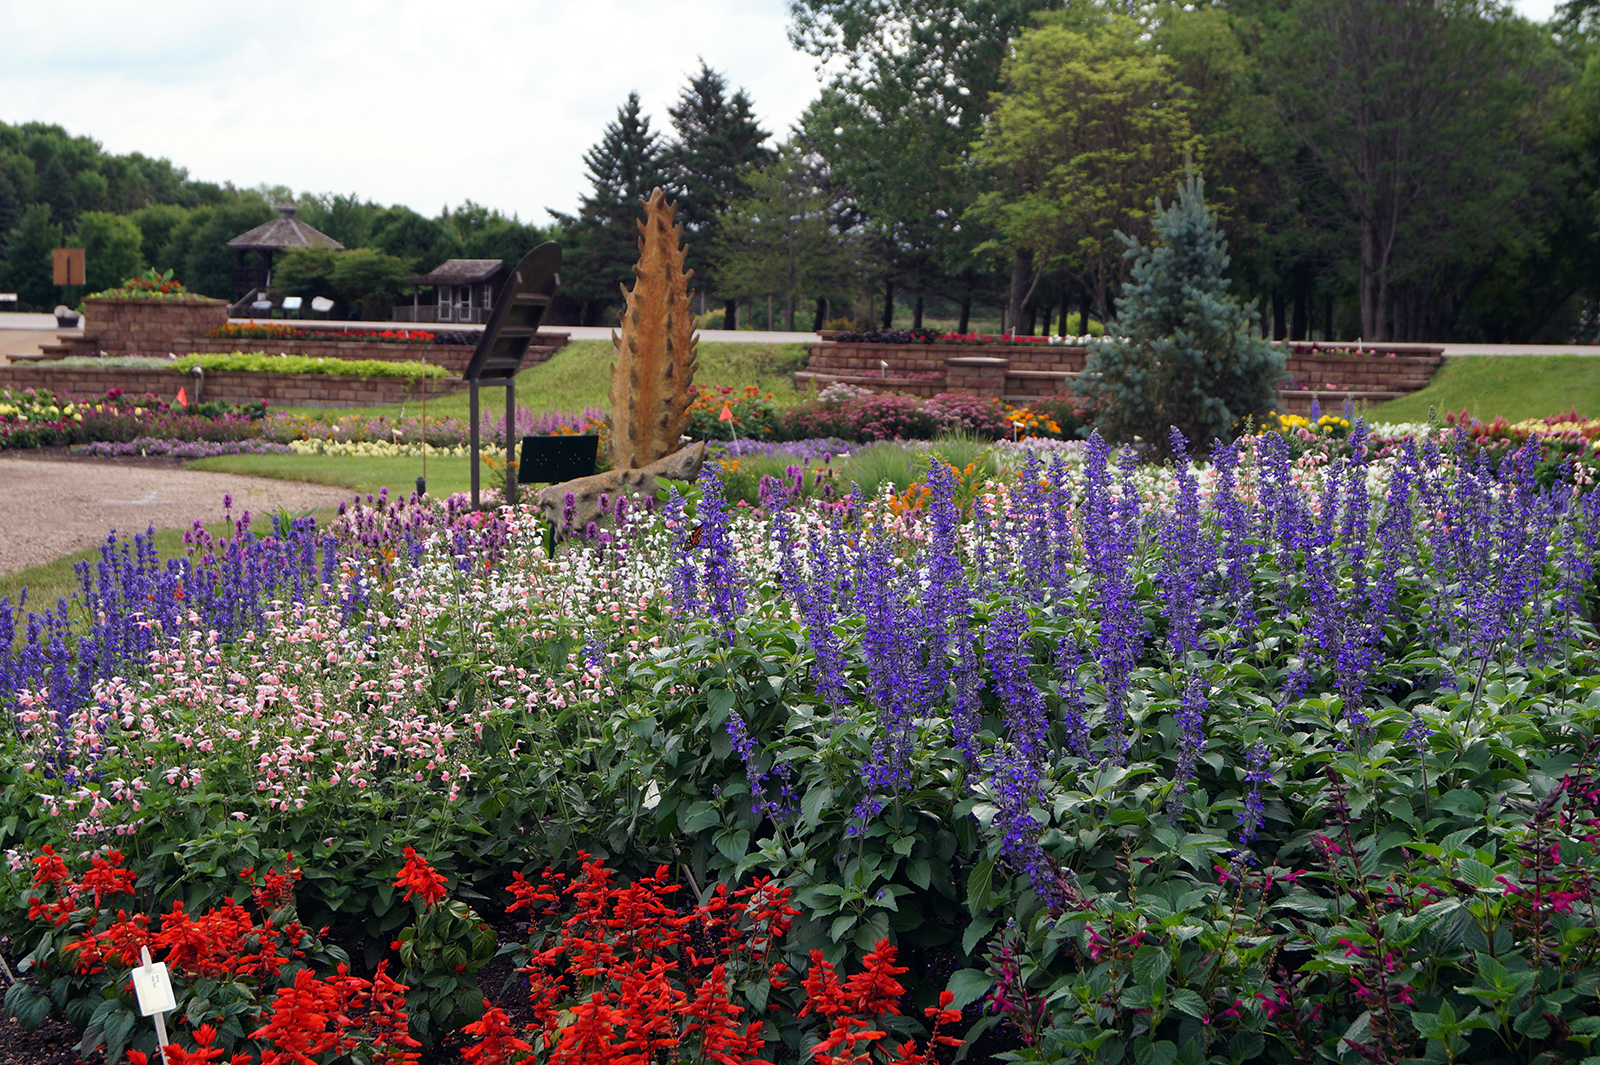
[{"x": 53, "y": 506}]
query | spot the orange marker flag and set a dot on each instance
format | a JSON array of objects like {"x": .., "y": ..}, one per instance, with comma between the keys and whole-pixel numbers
[
  {"x": 183, "y": 398},
  {"x": 726, "y": 415}
]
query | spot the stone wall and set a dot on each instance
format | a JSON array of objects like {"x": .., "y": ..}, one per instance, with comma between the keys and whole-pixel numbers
[{"x": 277, "y": 390}]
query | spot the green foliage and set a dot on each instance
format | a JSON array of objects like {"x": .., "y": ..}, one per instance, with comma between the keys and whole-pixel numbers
[
  {"x": 371, "y": 279},
  {"x": 1184, "y": 355},
  {"x": 305, "y": 272},
  {"x": 719, "y": 140},
  {"x": 623, "y": 169},
  {"x": 261, "y": 362},
  {"x": 1091, "y": 126},
  {"x": 111, "y": 248},
  {"x": 30, "y": 257},
  {"x": 197, "y": 249},
  {"x": 405, "y": 234},
  {"x": 777, "y": 239}
]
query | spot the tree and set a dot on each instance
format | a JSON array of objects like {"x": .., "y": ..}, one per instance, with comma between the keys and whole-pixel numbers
[
  {"x": 405, "y": 234},
  {"x": 156, "y": 224},
  {"x": 623, "y": 169},
  {"x": 111, "y": 249},
  {"x": 1423, "y": 116},
  {"x": 305, "y": 272},
  {"x": 506, "y": 239},
  {"x": 718, "y": 137},
  {"x": 30, "y": 248},
  {"x": 777, "y": 240},
  {"x": 896, "y": 123},
  {"x": 1091, "y": 124},
  {"x": 198, "y": 252},
  {"x": 370, "y": 279},
  {"x": 347, "y": 218},
  {"x": 1183, "y": 354}
]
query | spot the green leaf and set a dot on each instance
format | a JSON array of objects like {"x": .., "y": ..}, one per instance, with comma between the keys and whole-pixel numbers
[
  {"x": 1185, "y": 1001},
  {"x": 814, "y": 802},
  {"x": 1162, "y": 1052},
  {"x": 968, "y": 985},
  {"x": 841, "y": 924},
  {"x": 975, "y": 932},
  {"x": 1150, "y": 966},
  {"x": 918, "y": 871},
  {"x": 978, "y": 882}
]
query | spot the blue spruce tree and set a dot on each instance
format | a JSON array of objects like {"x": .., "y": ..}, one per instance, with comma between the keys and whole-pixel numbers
[{"x": 1183, "y": 352}]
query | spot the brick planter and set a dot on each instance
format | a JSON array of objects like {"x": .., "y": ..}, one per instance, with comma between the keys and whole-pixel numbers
[
  {"x": 1392, "y": 371},
  {"x": 1019, "y": 371},
  {"x": 1024, "y": 372},
  {"x": 140, "y": 327},
  {"x": 277, "y": 390}
]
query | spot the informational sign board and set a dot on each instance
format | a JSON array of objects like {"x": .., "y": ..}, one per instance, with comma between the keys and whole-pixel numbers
[
  {"x": 557, "y": 459},
  {"x": 68, "y": 266}
]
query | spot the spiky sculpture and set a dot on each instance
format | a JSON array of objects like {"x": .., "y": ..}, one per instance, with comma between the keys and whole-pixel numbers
[{"x": 650, "y": 381}]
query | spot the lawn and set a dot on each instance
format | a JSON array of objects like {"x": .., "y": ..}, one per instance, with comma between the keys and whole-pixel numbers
[
  {"x": 1516, "y": 386},
  {"x": 579, "y": 376}
]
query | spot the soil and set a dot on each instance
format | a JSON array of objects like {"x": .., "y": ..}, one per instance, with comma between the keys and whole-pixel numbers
[{"x": 53, "y": 503}]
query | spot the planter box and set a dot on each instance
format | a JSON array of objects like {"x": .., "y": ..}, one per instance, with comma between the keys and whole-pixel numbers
[
  {"x": 1020, "y": 371},
  {"x": 141, "y": 327}
]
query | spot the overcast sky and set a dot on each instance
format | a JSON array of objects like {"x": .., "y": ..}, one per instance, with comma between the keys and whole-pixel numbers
[{"x": 424, "y": 104}]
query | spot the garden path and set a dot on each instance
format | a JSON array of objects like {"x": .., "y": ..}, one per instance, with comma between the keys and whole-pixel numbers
[{"x": 52, "y": 505}]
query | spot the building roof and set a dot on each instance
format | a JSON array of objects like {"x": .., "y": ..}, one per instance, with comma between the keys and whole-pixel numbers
[
  {"x": 462, "y": 272},
  {"x": 284, "y": 231}
]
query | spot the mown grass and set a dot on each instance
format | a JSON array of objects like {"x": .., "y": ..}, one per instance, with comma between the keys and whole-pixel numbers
[
  {"x": 579, "y": 376},
  {"x": 1517, "y": 386},
  {"x": 359, "y": 474}
]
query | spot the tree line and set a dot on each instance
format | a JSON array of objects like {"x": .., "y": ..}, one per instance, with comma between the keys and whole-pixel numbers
[{"x": 1383, "y": 169}]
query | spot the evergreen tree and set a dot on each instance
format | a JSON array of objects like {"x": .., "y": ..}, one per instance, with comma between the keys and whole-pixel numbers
[
  {"x": 777, "y": 239},
  {"x": 30, "y": 247},
  {"x": 718, "y": 137},
  {"x": 1183, "y": 353},
  {"x": 623, "y": 168}
]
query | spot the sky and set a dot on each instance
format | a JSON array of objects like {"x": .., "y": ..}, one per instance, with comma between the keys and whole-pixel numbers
[{"x": 423, "y": 104}]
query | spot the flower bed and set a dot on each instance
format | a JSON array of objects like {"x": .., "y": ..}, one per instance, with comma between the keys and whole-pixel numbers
[
  {"x": 1237, "y": 762},
  {"x": 254, "y": 331},
  {"x": 261, "y": 362}
]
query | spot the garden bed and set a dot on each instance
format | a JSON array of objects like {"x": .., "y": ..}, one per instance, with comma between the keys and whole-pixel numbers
[{"x": 288, "y": 390}]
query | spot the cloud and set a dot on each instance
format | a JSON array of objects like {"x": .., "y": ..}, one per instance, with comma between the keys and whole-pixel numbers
[{"x": 401, "y": 101}]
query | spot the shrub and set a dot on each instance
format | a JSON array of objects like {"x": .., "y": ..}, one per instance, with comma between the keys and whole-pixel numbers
[
  {"x": 754, "y": 414},
  {"x": 150, "y": 285},
  {"x": 261, "y": 362},
  {"x": 978, "y": 415},
  {"x": 1185, "y": 356}
]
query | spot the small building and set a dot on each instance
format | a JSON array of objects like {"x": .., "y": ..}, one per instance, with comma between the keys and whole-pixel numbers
[
  {"x": 457, "y": 290},
  {"x": 282, "y": 233}
]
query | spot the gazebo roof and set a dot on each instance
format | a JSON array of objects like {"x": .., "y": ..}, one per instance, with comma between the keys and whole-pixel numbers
[
  {"x": 284, "y": 231},
  {"x": 461, "y": 272}
]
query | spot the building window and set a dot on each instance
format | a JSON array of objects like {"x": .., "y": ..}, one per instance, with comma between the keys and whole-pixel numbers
[
  {"x": 488, "y": 299},
  {"x": 463, "y": 303},
  {"x": 442, "y": 298}
]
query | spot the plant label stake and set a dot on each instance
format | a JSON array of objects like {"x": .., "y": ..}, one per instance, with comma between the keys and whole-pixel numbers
[{"x": 153, "y": 988}]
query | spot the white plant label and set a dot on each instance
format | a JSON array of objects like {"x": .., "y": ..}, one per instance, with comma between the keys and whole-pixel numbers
[{"x": 153, "y": 986}]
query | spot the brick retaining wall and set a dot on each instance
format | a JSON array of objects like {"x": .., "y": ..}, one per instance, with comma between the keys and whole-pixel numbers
[
  {"x": 1022, "y": 372},
  {"x": 278, "y": 390},
  {"x": 141, "y": 327}
]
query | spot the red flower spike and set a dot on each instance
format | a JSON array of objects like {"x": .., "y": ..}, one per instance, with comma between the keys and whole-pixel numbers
[{"x": 419, "y": 878}]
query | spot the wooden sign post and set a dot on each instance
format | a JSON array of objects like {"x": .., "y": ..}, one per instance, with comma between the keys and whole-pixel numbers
[{"x": 68, "y": 266}]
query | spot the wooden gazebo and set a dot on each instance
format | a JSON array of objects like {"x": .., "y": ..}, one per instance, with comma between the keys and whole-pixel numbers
[{"x": 282, "y": 233}]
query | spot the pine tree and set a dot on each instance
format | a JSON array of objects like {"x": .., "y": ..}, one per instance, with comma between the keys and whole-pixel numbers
[
  {"x": 1183, "y": 352},
  {"x": 623, "y": 169},
  {"x": 718, "y": 138}
]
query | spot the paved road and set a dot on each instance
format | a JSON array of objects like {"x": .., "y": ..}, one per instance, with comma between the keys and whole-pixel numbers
[{"x": 50, "y": 508}]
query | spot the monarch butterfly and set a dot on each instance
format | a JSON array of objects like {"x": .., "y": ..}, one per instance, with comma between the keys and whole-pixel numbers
[{"x": 694, "y": 537}]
